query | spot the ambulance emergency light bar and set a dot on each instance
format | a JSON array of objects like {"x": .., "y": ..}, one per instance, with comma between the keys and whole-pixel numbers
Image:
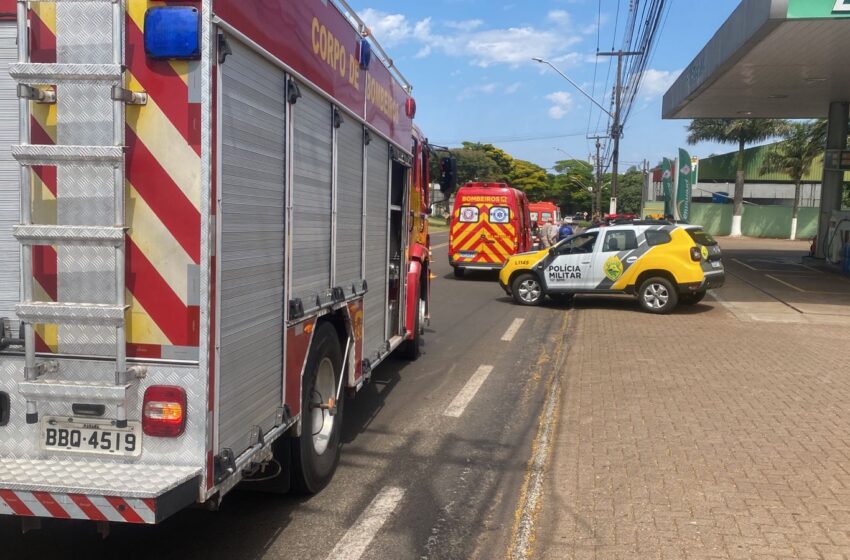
[{"x": 173, "y": 32}]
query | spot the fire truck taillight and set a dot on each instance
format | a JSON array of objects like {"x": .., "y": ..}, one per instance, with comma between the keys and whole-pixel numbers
[
  {"x": 164, "y": 411},
  {"x": 173, "y": 32}
]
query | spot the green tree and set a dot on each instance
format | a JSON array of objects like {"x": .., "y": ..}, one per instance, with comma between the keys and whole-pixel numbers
[
  {"x": 740, "y": 132},
  {"x": 630, "y": 191},
  {"x": 475, "y": 165},
  {"x": 794, "y": 156},
  {"x": 529, "y": 178},
  {"x": 503, "y": 159},
  {"x": 572, "y": 184}
]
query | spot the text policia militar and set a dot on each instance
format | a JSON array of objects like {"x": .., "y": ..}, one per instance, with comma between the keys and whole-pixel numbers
[{"x": 563, "y": 272}]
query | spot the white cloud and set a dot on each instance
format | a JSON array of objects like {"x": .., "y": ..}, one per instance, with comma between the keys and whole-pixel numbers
[
  {"x": 466, "y": 25},
  {"x": 471, "y": 92},
  {"x": 559, "y": 17},
  {"x": 557, "y": 112},
  {"x": 657, "y": 82},
  {"x": 513, "y": 88},
  {"x": 389, "y": 29},
  {"x": 483, "y": 47},
  {"x": 562, "y": 102}
]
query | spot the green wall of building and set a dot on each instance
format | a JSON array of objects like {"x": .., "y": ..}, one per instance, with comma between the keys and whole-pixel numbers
[{"x": 757, "y": 221}]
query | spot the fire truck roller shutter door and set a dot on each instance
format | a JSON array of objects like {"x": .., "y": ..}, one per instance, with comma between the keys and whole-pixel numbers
[
  {"x": 349, "y": 239},
  {"x": 10, "y": 201},
  {"x": 253, "y": 132},
  {"x": 311, "y": 197},
  {"x": 377, "y": 192}
]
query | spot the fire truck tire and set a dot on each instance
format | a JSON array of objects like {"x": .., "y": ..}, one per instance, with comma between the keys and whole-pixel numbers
[
  {"x": 458, "y": 271},
  {"x": 315, "y": 453},
  {"x": 527, "y": 290},
  {"x": 692, "y": 299},
  {"x": 657, "y": 295},
  {"x": 412, "y": 349}
]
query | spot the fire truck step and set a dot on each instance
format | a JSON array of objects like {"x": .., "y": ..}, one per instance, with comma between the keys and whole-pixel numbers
[
  {"x": 60, "y": 313},
  {"x": 69, "y": 235},
  {"x": 96, "y": 490},
  {"x": 58, "y": 390},
  {"x": 38, "y": 73},
  {"x": 43, "y": 154}
]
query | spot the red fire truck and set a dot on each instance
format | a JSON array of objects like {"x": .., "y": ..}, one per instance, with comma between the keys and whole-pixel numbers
[
  {"x": 544, "y": 213},
  {"x": 223, "y": 231}
]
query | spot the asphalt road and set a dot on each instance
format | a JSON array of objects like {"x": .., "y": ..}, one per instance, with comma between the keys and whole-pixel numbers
[{"x": 430, "y": 468}]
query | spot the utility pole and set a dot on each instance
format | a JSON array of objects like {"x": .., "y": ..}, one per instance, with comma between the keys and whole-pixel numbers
[
  {"x": 597, "y": 194},
  {"x": 616, "y": 133}
]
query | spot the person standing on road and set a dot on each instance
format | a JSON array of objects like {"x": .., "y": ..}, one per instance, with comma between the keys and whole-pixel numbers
[
  {"x": 551, "y": 233},
  {"x": 566, "y": 230}
]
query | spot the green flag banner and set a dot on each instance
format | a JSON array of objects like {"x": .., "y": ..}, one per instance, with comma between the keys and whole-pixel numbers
[
  {"x": 667, "y": 185},
  {"x": 683, "y": 193}
]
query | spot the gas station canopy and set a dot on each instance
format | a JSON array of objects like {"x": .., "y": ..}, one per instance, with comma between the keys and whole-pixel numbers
[{"x": 771, "y": 58}]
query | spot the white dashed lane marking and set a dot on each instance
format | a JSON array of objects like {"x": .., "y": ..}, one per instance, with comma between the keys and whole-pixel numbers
[
  {"x": 512, "y": 330},
  {"x": 354, "y": 543},
  {"x": 459, "y": 404}
]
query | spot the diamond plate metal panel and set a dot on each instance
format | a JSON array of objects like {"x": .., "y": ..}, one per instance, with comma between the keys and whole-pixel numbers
[
  {"x": 70, "y": 313},
  {"x": 36, "y": 73},
  {"x": 84, "y": 33},
  {"x": 74, "y": 391},
  {"x": 19, "y": 440},
  {"x": 69, "y": 235},
  {"x": 85, "y": 117},
  {"x": 84, "y": 477},
  {"x": 43, "y": 154}
]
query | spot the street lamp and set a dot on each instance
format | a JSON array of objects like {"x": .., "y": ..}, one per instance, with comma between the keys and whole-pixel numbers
[
  {"x": 575, "y": 85},
  {"x": 596, "y": 202}
]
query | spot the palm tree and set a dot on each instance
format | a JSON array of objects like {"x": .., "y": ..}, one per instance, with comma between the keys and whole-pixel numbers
[
  {"x": 794, "y": 156},
  {"x": 740, "y": 132}
]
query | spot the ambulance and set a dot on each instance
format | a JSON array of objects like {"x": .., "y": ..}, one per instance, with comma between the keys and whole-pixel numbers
[
  {"x": 544, "y": 213},
  {"x": 489, "y": 223}
]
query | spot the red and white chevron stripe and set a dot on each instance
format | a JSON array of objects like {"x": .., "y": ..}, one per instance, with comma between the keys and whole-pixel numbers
[{"x": 77, "y": 506}]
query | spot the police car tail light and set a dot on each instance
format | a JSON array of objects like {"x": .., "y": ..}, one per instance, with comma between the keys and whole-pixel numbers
[
  {"x": 164, "y": 411},
  {"x": 696, "y": 254}
]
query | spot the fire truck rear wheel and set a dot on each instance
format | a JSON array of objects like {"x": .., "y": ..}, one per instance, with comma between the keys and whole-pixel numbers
[
  {"x": 458, "y": 271},
  {"x": 315, "y": 453},
  {"x": 527, "y": 290}
]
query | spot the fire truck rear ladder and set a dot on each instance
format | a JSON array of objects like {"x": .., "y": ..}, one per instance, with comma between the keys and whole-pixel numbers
[{"x": 42, "y": 379}]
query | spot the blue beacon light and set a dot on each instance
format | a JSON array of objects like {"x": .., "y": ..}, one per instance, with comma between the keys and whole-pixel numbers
[{"x": 173, "y": 32}]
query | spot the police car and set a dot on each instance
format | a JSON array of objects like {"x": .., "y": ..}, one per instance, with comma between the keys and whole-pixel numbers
[{"x": 661, "y": 263}]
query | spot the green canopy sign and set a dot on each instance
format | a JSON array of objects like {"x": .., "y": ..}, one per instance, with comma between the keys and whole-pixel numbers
[{"x": 805, "y": 9}]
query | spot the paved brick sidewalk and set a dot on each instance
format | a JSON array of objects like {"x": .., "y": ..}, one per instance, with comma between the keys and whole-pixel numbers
[{"x": 696, "y": 435}]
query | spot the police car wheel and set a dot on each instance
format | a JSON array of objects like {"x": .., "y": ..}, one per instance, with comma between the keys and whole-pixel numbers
[
  {"x": 657, "y": 295},
  {"x": 527, "y": 290},
  {"x": 692, "y": 299}
]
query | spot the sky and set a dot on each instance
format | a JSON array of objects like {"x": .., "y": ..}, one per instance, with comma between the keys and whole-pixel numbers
[{"x": 470, "y": 65}]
